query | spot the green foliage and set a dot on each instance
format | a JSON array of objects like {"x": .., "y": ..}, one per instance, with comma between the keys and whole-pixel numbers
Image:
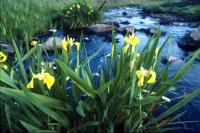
[
  {"x": 114, "y": 102},
  {"x": 21, "y": 19},
  {"x": 80, "y": 14}
]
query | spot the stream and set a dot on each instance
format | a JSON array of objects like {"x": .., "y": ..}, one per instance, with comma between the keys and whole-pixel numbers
[{"x": 178, "y": 29}]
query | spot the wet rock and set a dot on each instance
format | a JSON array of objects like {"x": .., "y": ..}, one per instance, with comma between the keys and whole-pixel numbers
[
  {"x": 195, "y": 35},
  {"x": 101, "y": 29},
  {"x": 48, "y": 44},
  {"x": 126, "y": 30},
  {"x": 190, "y": 42},
  {"x": 151, "y": 31},
  {"x": 124, "y": 14},
  {"x": 114, "y": 23},
  {"x": 166, "y": 19},
  {"x": 170, "y": 59},
  {"x": 6, "y": 47},
  {"x": 125, "y": 22}
]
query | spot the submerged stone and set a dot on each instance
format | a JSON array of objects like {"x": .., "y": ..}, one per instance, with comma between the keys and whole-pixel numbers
[{"x": 190, "y": 42}]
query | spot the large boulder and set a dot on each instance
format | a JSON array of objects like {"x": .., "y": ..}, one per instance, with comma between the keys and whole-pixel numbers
[
  {"x": 48, "y": 44},
  {"x": 195, "y": 35},
  {"x": 101, "y": 29},
  {"x": 170, "y": 59},
  {"x": 125, "y": 22},
  {"x": 114, "y": 23},
  {"x": 126, "y": 30},
  {"x": 190, "y": 42}
]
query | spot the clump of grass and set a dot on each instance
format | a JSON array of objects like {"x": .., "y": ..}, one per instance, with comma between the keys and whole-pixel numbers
[
  {"x": 80, "y": 14},
  {"x": 60, "y": 96}
]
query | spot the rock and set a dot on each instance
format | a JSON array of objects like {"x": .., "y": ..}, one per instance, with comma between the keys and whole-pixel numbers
[
  {"x": 101, "y": 29},
  {"x": 151, "y": 31},
  {"x": 126, "y": 30},
  {"x": 48, "y": 44},
  {"x": 190, "y": 42},
  {"x": 166, "y": 19},
  {"x": 195, "y": 35},
  {"x": 170, "y": 60},
  {"x": 125, "y": 22},
  {"x": 6, "y": 47},
  {"x": 124, "y": 14},
  {"x": 114, "y": 23}
]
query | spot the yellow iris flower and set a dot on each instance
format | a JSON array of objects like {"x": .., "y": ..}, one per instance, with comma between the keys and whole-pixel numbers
[
  {"x": 78, "y": 6},
  {"x": 3, "y": 57},
  {"x": 132, "y": 40},
  {"x": 34, "y": 43},
  {"x": 69, "y": 42},
  {"x": 45, "y": 77},
  {"x": 3, "y": 66},
  {"x": 64, "y": 44},
  {"x": 142, "y": 73}
]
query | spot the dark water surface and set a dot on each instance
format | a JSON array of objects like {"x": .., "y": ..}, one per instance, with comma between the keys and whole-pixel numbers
[{"x": 139, "y": 20}]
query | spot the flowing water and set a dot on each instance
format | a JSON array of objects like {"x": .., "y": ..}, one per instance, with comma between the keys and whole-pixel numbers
[{"x": 139, "y": 20}]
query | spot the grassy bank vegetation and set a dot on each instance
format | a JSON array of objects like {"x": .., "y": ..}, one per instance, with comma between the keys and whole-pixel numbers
[
  {"x": 22, "y": 19},
  {"x": 189, "y": 9}
]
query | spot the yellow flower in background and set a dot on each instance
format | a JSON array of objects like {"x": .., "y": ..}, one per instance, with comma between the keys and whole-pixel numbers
[
  {"x": 70, "y": 41},
  {"x": 78, "y": 6},
  {"x": 70, "y": 8},
  {"x": 68, "y": 12},
  {"x": 34, "y": 43},
  {"x": 89, "y": 13},
  {"x": 152, "y": 75},
  {"x": 31, "y": 84},
  {"x": 143, "y": 73},
  {"x": 3, "y": 66},
  {"x": 132, "y": 39},
  {"x": 64, "y": 44},
  {"x": 45, "y": 77},
  {"x": 3, "y": 57}
]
